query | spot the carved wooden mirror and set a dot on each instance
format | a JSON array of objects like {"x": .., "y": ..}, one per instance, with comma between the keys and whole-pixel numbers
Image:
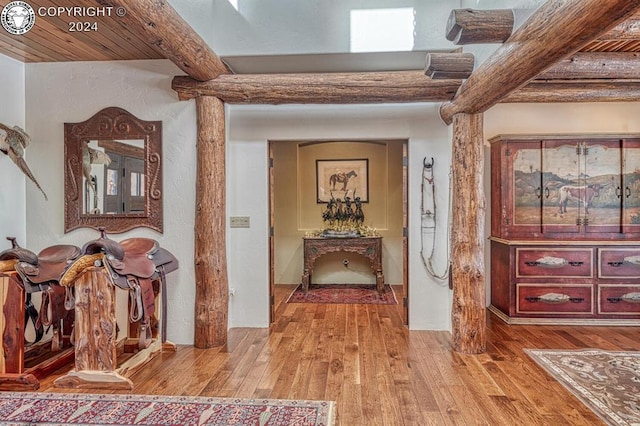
[{"x": 113, "y": 172}]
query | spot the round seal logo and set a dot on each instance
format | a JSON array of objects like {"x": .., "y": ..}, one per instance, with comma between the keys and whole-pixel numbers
[{"x": 17, "y": 17}]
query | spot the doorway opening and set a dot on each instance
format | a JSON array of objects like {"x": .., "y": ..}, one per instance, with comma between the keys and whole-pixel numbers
[{"x": 297, "y": 199}]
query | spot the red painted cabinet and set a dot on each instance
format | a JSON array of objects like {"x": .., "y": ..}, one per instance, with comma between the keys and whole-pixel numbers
[{"x": 565, "y": 228}]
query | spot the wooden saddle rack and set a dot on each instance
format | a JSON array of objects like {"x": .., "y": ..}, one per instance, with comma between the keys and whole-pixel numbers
[{"x": 81, "y": 289}]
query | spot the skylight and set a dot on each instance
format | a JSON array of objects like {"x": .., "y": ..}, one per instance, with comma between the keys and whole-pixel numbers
[{"x": 382, "y": 30}]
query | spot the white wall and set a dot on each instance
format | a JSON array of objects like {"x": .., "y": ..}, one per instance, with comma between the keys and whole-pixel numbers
[
  {"x": 268, "y": 27},
  {"x": 12, "y": 190},
  {"x": 72, "y": 92}
]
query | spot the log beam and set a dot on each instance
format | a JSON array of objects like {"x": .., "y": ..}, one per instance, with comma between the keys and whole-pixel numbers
[
  {"x": 576, "y": 91},
  {"x": 212, "y": 283},
  {"x": 444, "y": 66},
  {"x": 626, "y": 30},
  {"x": 595, "y": 65},
  {"x": 470, "y": 26},
  {"x": 467, "y": 240},
  {"x": 167, "y": 32},
  {"x": 556, "y": 30},
  {"x": 331, "y": 88}
]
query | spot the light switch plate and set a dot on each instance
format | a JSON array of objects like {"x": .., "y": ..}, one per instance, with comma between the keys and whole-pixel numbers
[{"x": 239, "y": 222}]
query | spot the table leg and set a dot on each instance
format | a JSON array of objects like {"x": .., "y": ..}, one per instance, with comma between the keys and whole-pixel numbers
[
  {"x": 306, "y": 278},
  {"x": 379, "y": 281}
]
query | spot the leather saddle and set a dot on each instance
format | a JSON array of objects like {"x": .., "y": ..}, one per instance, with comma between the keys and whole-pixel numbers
[
  {"x": 8, "y": 260},
  {"x": 41, "y": 273},
  {"x": 134, "y": 265}
]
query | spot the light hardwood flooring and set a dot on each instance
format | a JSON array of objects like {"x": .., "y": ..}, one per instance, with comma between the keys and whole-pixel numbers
[{"x": 380, "y": 373}]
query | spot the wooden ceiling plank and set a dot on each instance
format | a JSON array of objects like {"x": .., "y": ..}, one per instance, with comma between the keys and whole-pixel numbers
[
  {"x": 595, "y": 65},
  {"x": 330, "y": 88},
  {"x": 91, "y": 43},
  {"x": 20, "y": 51},
  {"x": 60, "y": 46},
  {"x": 554, "y": 31},
  {"x": 161, "y": 26},
  {"x": 571, "y": 91},
  {"x": 32, "y": 45},
  {"x": 119, "y": 36}
]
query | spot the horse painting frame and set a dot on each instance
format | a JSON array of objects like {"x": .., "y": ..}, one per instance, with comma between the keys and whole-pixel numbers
[{"x": 342, "y": 178}]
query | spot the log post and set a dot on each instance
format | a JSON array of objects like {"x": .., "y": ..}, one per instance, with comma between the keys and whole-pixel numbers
[
  {"x": 468, "y": 316},
  {"x": 212, "y": 283}
]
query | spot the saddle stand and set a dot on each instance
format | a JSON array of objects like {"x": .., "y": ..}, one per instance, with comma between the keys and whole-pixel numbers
[
  {"x": 106, "y": 275},
  {"x": 24, "y": 274}
]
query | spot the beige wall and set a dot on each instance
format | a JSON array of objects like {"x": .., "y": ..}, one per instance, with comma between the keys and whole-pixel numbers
[{"x": 296, "y": 210}]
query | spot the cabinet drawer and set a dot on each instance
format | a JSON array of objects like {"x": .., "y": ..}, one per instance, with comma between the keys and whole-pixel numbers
[
  {"x": 619, "y": 299},
  {"x": 562, "y": 262},
  {"x": 554, "y": 299},
  {"x": 619, "y": 263}
]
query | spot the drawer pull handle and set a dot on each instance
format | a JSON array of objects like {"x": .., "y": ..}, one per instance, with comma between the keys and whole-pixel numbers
[
  {"x": 576, "y": 263},
  {"x": 554, "y": 298},
  {"x": 615, "y": 264},
  {"x": 633, "y": 297},
  {"x": 547, "y": 262}
]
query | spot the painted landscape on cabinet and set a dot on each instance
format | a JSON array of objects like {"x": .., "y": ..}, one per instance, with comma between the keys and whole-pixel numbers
[{"x": 562, "y": 183}]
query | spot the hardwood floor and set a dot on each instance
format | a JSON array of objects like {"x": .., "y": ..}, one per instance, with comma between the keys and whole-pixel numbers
[{"x": 379, "y": 373}]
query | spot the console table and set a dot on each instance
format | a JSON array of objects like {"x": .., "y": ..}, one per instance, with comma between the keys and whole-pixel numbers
[{"x": 369, "y": 247}]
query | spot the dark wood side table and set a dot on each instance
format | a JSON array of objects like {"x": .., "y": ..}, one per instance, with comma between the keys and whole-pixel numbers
[{"x": 369, "y": 247}]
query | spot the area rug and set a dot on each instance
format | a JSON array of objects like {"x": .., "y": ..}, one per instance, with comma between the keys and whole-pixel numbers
[
  {"x": 87, "y": 409},
  {"x": 344, "y": 293},
  {"x": 606, "y": 382}
]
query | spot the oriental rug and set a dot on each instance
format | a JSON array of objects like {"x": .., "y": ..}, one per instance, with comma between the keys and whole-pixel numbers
[
  {"x": 606, "y": 382},
  {"x": 32, "y": 408},
  {"x": 344, "y": 293}
]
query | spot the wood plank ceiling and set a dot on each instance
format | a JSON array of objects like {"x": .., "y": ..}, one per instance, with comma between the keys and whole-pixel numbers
[
  {"x": 51, "y": 39},
  {"x": 54, "y": 37}
]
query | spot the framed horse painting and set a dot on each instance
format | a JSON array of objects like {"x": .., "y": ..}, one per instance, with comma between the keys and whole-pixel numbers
[{"x": 342, "y": 179}]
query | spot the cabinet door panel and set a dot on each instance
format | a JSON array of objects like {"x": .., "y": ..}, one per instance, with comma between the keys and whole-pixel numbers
[
  {"x": 561, "y": 168},
  {"x": 601, "y": 193},
  {"x": 630, "y": 186},
  {"x": 525, "y": 176}
]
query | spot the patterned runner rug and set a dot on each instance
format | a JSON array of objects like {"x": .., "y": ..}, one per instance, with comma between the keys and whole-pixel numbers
[
  {"x": 606, "y": 382},
  {"x": 344, "y": 293},
  {"x": 86, "y": 409}
]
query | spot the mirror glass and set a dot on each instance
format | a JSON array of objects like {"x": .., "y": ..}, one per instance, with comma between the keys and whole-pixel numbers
[{"x": 113, "y": 174}]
